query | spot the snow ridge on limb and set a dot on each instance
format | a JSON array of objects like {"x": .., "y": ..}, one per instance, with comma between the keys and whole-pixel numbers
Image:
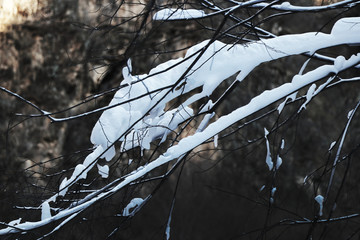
[
  {"x": 219, "y": 62},
  {"x": 178, "y": 14}
]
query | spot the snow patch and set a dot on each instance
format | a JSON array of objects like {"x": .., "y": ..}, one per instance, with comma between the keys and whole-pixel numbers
[
  {"x": 131, "y": 104},
  {"x": 80, "y": 172},
  {"x": 320, "y": 200},
  {"x": 339, "y": 62},
  {"x": 278, "y": 162},
  {"x": 309, "y": 95},
  {"x": 216, "y": 140},
  {"x": 332, "y": 145},
  {"x": 134, "y": 203},
  {"x": 291, "y": 97},
  {"x": 178, "y": 14},
  {"x": 285, "y": 5},
  {"x": 103, "y": 170},
  {"x": 268, "y": 160},
  {"x": 45, "y": 211},
  {"x": 273, "y": 190},
  {"x": 205, "y": 122},
  {"x": 346, "y": 27},
  {"x": 14, "y": 222},
  {"x": 63, "y": 187}
]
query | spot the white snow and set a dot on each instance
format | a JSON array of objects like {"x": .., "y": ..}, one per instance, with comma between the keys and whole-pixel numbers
[
  {"x": 305, "y": 179},
  {"x": 154, "y": 128},
  {"x": 268, "y": 160},
  {"x": 224, "y": 62},
  {"x": 339, "y": 61},
  {"x": 332, "y": 145},
  {"x": 278, "y": 162},
  {"x": 109, "y": 154},
  {"x": 62, "y": 188},
  {"x": 286, "y": 6},
  {"x": 126, "y": 72},
  {"x": 45, "y": 210},
  {"x": 103, "y": 170},
  {"x": 344, "y": 25},
  {"x": 273, "y": 190},
  {"x": 205, "y": 122},
  {"x": 309, "y": 95},
  {"x": 135, "y": 202},
  {"x": 90, "y": 160},
  {"x": 281, "y": 106},
  {"x": 14, "y": 222},
  {"x": 178, "y": 14},
  {"x": 322, "y": 86},
  {"x": 216, "y": 140},
  {"x": 80, "y": 171},
  {"x": 138, "y": 113},
  {"x": 129, "y": 65},
  {"x": 320, "y": 200},
  {"x": 167, "y": 232}
]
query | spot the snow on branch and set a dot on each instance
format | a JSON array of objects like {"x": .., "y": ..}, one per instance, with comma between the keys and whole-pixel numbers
[
  {"x": 137, "y": 114},
  {"x": 286, "y": 6},
  {"x": 178, "y": 14}
]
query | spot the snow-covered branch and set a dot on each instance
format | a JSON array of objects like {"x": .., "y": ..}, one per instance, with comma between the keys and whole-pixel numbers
[
  {"x": 187, "y": 14},
  {"x": 139, "y": 112}
]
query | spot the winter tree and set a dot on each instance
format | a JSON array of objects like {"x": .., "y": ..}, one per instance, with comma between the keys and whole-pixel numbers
[{"x": 259, "y": 76}]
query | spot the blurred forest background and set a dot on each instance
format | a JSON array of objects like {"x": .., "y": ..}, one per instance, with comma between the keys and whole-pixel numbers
[{"x": 58, "y": 53}]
